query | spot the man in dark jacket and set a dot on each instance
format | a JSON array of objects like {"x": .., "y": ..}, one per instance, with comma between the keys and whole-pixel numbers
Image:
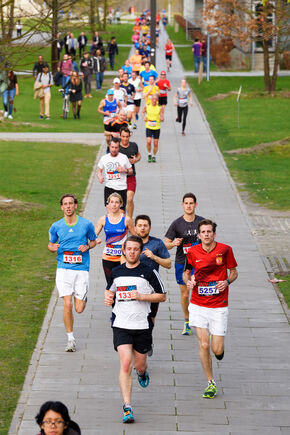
[
  {"x": 82, "y": 40},
  {"x": 112, "y": 50},
  {"x": 38, "y": 66},
  {"x": 99, "y": 66},
  {"x": 86, "y": 67}
]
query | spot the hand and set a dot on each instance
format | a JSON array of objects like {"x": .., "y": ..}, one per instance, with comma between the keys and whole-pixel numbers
[
  {"x": 132, "y": 160},
  {"x": 175, "y": 104},
  {"x": 107, "y": 113},
  {"x": 221, "y": 285},
  {"x": 109, "y": 298},
  {"x": 98, "y": 241},
  {"x": 136, "y": 296},
  {"x": 177, "y": 241},
  {"x": 121, "y": 169},
  {"x": 191, "y": 283},
  {"x": 54, "y": 247},
  {"x": 73, "y": 91},
  {"x": 83, "y": 248},
  {"x": 149, "y": 254},
  {"x": 191, "y": 103},
  {"x": 101, "y": 180}
]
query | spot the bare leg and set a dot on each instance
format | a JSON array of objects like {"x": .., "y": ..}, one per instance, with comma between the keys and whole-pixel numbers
[
  {"x": 125, "y": 352},
  {"x": 130, "y": 202},
  {"x": 67, "y": 313},
  {"x": 184, "y": 300},
  {"x": 79, "y": 305},
  {"x": 204, "y": 352},
  {"x": 217, "y": 344},
  {"x": 155, "y": 149},
  {"x": 140, "y": 362},
  {"x": 148, "y": 144}
]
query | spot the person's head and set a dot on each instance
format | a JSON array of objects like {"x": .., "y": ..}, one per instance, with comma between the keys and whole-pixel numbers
[
  {"x": 72, "y": 35},
  {"x": 98, "y": 52},
  {"x": 110, "y": 94},
  {"x": 113, "y": 40},
  {"x": 65, "y": 57},
  {"x": 96, "y": 34},
  {"x": 147, "y": 65},
  {"x": 125, "y": 136},
  {"x": 75, "y": 78},
  {"x": 206, "y": 231},
  {"x": 137, "y": 52},
  {"x": 122, "y": 115},
  {"x": 45, "y": 69},
  {"x": 115, "y": 202},
  {"x": 134, "y": 75},
  {"x": 127, "y": 63},
  {"x": 154, "y": 100},
  {"x": 68, "y": 204},
  {"x": 116, "y": 83},
  {"x": 183, "y": 83},
  {"x": 53, "y": 418},
  {"x": 151, "y": 80},
  {"x": 120, "y": 73},
  {"x": 40, "y": 58},
  {"x": 168, "y": 41},
  {"x": 86, "y": 55},
  {"x": 189, "y": 203},
  {"x": 125, "y": 77},
  {"x": 163, "y": 75},
  {"x": 142, "y": 225},
  {"x": 133, "y": 247},
  {"x": 82, "y": 33},
  {"x": 114, "y": 148}
]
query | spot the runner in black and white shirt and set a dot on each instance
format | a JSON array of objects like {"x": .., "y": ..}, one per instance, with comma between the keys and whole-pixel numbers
[
  {"x": 133, "y": 286},
  {"x": 130, "y": 90}
]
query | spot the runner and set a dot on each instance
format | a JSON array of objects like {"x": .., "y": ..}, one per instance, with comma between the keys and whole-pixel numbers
[
  {"x": 119, "y": 93},
  {"x": 71, "y": 238},
  {"x": 130, "y": 149},
  {"x": 114, "y": 125},
  {"x": 130, "y": 107},
  {"x": 135, "y": 286},
  {"x": 150, "y": 90},
  {"x": 109, "y": 106},
  {"x": 182, "y": 233},
  {"x": 181, "y": 98},
  {"x": 116, "y": 167},
  {"x": 169, "y": 48},
  {"x": 146, "y": 73},
  {"x": 208, "y": 309},
  {"x": 137, "y": 83},
  {"x": 153, "y": 114},
  {"x": 164, "y": 86},
  {"x": 116, "y": 225}
]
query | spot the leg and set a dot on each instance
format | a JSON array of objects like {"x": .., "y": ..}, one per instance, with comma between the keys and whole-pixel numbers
[
  {"x": 98, "y": 80},
  {"x": 217, "y": 345},
  {"x": 204, "y": 351},
  {"x": 74, "y": 109},
  {"x": 5, "y": 101},
  {"x": 125, "y": 352},
  {"x": 79, "y": 108},
  {"x": 41, "y": 102},
  {"x": 140, "y": 362},
  {"x": 47, "y": 96},
  {"x": 89, "y": 84},
  {"x": 179, "y": 114},
  {"x": 184, "y": 300},
  {"x": 80, "y": 305},
  {"x": 185, "y": 111},
  {"x": 148, "y": 144},
  {"x": 130, "y": 202},
  {"x": 101, "y": 79},
  {"x": 67, "y": 313},
  {"x": 155, "y": 148},
  {"x": 11, "y": 95}
]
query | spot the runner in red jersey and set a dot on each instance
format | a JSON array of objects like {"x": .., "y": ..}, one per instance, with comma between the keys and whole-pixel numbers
[
  {"x": 169, "y": 48},
  {"x": 208, "y": 308},
  {"x": 164, "y": 86}
]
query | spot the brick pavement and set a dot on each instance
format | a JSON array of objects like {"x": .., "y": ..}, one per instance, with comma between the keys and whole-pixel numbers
[{"x": 253, "y": 378}]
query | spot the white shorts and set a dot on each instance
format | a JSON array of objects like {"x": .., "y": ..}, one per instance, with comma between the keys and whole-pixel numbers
[
  {"x": 213, "y": 319},
  {"x": 129, "y": 108},
  {"x": 72, "y": 282}
]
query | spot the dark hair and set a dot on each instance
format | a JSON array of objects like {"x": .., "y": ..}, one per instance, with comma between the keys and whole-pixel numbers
[
  {"x": 58, "y": 407},
  {"x": 189, "y": 195},
  {"x": 134, "y": 239},
  {"x": 207, "y": 222},
  {"x": 115, "y": 140},
  {"x": 68, "y": 195},
  {"x": 125, "y": 72},
  {"x": 146, "y": 61},
  {"x": 125, "y": 129},
  {"x": 143, "y": 217}
]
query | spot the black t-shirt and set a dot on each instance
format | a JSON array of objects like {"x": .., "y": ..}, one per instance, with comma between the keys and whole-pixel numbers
[
  {"x": 180, "y": 228},
  {"x": 131, "y": 150},
  {"x": 130, "y": 90},
  {"x": 114, "y": 125}
]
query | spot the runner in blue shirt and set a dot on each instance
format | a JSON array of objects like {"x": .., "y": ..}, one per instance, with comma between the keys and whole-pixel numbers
[
  {"x": 146, "y": 73},
  {"x": 71, "y": 238}
]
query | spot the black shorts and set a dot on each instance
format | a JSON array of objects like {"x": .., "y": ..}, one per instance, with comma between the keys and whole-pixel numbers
[
  {"x": 152, "y": 133},
  {"x": 141, "y": 339},
  {"x": 162, "y": 101},
  {"x": 137, "y": 102},
  {"x": 168, "y": 56},
  {"x": 123, "y": 193}
]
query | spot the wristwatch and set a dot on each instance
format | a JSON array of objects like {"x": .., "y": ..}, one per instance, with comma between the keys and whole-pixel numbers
[{"x": 228, "y": 281}]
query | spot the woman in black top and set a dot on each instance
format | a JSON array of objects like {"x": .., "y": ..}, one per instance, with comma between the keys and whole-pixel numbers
[
  {"x": 76, "y": 94},
  {"x": 9, "y": 95}
]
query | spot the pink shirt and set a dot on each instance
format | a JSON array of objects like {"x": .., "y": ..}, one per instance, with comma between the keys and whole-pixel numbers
[{"x": 65, "y": 67}]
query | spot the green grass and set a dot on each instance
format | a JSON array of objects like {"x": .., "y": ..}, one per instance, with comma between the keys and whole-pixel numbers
[
  {"x": 28, "y": 112},
  {"x": 262, "y": 119},
  {"x": 178, "y": 37},
  {"x": 36, "y": 174},
  {"x": 285, "y": 288}
]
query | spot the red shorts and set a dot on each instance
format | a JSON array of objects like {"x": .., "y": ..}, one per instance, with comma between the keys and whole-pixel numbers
[{"x": 131, "y": 183}]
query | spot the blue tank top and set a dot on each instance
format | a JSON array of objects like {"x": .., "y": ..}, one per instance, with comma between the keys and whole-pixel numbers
[
  {"x": 116, "y": 234},
  {"x": 110, "y": 106}
]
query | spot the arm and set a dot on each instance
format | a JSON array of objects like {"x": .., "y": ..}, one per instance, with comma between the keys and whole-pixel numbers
[
  {"x": 53, "y": 247},
  {"x": 91, "y": 244},
  {"x": 190, "y": 98},
  {"x": 164, "y": 262},
  {"x": 153, "y": 297},
  {"x": 100, "y": 225},
  {"x": 162, "y": 114},
  {"x": 100, "y": 175},
  {"x": 130, "y": 225},
  {"x": 100, "y": 108},
  {"x": 16, "y": 89},
  {"x": 144, "y": 114},
  {"x": 135, "y": 159},
  {"x": 222, "y": 285},
  {"x": 172, "y": 243},
  {"x": 175, "y": 99},
  {"x": 109, "y": 298}
]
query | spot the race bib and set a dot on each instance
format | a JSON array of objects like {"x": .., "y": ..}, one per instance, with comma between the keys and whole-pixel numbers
[
  {"x": 208, "y": 290},
  {"x": 152, "y": 123},
  {"x": 124, "y": 293},
  {"x": 186, "y": 248},
  {"x": 162, "y": 92},
  {"x": 183, "y": 100},
  {"x": 72, "y": 259},
  {"x": 113, "y": 175},
  {"x": 113, "y": 250}
]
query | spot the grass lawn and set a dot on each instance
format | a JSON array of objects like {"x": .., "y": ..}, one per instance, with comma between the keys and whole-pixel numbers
[
  {"x": 28, "y": 112},
  {"x": 28, "y": 268},
  {"x": 285, "y": 288},
  {"x": 178, "y": 37},
  {"x": 263, "y": 119}
]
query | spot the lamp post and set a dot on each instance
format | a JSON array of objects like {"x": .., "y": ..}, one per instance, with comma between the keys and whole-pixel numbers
[{"x": 153, "y": 32}]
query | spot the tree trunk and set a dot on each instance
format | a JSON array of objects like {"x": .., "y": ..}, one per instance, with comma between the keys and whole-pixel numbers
[
  {"x": 92, "y": 16},
  {"x": 267, "y": 79},
  {"x": 105, "y": 14},
  {"x": 54, "y": 32},
  {"x": 11, "y": 19},
  {"x": 276, "y": 64},
  {"x": 98, "y": 16},
  {"x": 2, "y": 20}
]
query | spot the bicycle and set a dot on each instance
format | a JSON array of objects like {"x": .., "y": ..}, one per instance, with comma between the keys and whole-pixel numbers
[{"x": 65, "y": 108}]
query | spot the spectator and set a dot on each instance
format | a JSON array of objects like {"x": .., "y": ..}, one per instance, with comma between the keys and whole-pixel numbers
[
  {"x": 118, "y": 16},
  {"x": 38, "y": 66},
  {"x": 97, "y": 45},
  {"x": 66, "y": 41},
  {"x": 55, "y": 415},
  {"x": 59, "y": 44},
  {"x": 76, "y": 94},
  {"x": 99, "y": 66},
  {"x": 18, "y": 28},
  {"x": 112, "y": 50},
  {"x": 45, "y": 77},
  {"x": 204, "y": 54},
  {"x": 9, "y": 95},
  {"x": 74, "y": 63},
  {"x": 86, "y": 66},
  {"x": 82, "y": 41},
  {"x": 72, "y": 45},
  {"x": 196, "y": 49},
  {"x": 65, "y": 67}
]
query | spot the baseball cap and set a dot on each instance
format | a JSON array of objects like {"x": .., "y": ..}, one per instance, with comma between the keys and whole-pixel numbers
[
  {"x": 163, "y": 72},
  {"x": 116, "y": 80},
  {"x": 110, "y": 92}
]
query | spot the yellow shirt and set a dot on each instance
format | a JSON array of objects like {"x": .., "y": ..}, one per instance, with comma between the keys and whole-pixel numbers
[
  {"x": 145, "y": 29},
  {"x": 153, "y": 117},
  {"x": 154, "y": 90}
]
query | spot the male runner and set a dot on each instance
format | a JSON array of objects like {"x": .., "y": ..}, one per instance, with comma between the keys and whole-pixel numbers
[
  {"x": 208, "y": 308},
  {"x": 182, "y": 233},
  {"x": 71, "y": 238},
  {"x": 164, "y": 86},
  {"x": 109, "y": 106},
  {"x": 130, "y": 107},
  {"x": 130, "y": 149},
  {"x": 135, "y": 286},
  {"x": 147, "y": 72},
  {"x": 119, "y": 93},
  {"x": 116, "y": 167},
  {"x": 114, "y": 125}
]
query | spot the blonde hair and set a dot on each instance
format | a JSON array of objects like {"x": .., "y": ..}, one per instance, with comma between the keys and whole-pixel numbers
[{"x": 115, "y": 195}]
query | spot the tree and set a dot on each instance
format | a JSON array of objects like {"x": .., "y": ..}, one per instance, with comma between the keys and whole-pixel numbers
[{"x": 266, "y": 23}]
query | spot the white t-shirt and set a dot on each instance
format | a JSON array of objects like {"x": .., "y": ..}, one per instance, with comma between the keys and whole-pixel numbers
[
  {"x": 136, "y": 83},
  {"x": 120, "y": 95},
  {"x": 114, "y": 179}
]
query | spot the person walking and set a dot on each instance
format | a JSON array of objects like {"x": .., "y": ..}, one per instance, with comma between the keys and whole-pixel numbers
[
  {"x": 181, "y": 100},
  {"x": 153, "y": 115},
  {"x": 208, "y": 308},
  {"x": 65, "y": 67},
  {"x": 18, "y": 28},
  {"x": 82, "y": 42},
  {"x": 112, "y": 51},
  {"x": 99, "y": 67},
  {"x": 59, "y": 45},
  {"x": 72, "y": 45},
  {"x": 76, "y": 96},
  {"x": 86, "y": 67},
  {"x": 196, "y": 50},
  {"x": 38, "y": 66},
  {"x": 9, "y": 94},
  {"x": 45, "y": 77},
  {"x": 131, "y": 289},
  {"x": 71, "y": 238}
]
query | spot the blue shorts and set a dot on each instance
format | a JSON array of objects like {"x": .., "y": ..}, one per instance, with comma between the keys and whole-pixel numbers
[{"x": 179, "y": 269}]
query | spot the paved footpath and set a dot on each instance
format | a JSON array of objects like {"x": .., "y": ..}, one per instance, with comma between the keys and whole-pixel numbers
[{"x": 253, "y": 378}]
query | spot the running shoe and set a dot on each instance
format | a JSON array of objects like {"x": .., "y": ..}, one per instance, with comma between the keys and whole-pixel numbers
[
  {"x": 210, "y": 391},
  {"x": 153, "y": 159},
  {"x": 5, "y": 114},
  {"x": 186, "y": 329},
  {"x": 128, "y": 416},
  {"x": 41, "y": 117},
  {"x": 134, "y": 126},
  {"x": 183, "y": 134},
  {"x": 71, "y": 346},
  {"x": 10, "y": 117},
  {"x": 149, "y": 158},
  {"x": 143, "y": 379}
]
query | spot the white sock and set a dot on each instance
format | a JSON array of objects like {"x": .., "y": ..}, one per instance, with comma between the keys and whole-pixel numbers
[{"x": 70, "y": 336}]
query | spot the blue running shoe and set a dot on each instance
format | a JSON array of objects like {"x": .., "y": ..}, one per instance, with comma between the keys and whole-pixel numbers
[
  {"x": 128, "y": 416},
  {"x": 143, "y": 379}
]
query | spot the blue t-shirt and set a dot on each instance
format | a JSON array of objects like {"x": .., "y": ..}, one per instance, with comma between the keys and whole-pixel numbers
[
  {"x": 70, "y": 237},
  {"x": 158, "y": 248},
  {"x": 145, "y": 76},
  {"x": 127, "y": 69}
]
